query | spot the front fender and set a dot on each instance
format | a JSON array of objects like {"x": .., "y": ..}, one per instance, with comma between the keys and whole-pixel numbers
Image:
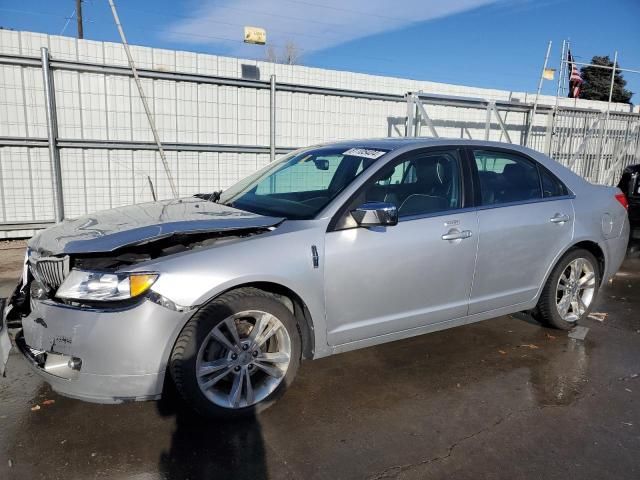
[{"x": 283, "y": 257}]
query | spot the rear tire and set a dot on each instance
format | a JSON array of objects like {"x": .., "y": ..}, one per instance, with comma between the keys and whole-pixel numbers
[
  {"x": 570, "y": 291},
  {"x": 237, "y": 355}
]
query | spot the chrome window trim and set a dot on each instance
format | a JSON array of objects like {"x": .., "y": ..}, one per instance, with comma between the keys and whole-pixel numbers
[
  {"x": 525, "y": 202},
  {"x": 455, "y": 211},
  {"x": 442, "y": 213},
  {"x": 484, "y": 207}
]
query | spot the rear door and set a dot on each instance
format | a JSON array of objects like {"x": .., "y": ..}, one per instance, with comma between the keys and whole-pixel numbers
[{"x": 525, "y": 219}]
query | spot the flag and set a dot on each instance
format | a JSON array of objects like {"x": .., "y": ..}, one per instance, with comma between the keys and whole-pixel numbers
[
  {"x": 549, "y": 73},
  {"x": 575, "y": 79}
]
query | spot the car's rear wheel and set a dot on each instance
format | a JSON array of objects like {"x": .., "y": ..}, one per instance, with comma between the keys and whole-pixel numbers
[
  {"x": 571, "y": 288},
  {"x": 237, "y": 355}
]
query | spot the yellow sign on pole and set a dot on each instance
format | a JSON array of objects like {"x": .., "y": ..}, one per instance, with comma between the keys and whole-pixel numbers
[
  {"x": 549, "y": 73},
  {"x": 255, "y": 35}
]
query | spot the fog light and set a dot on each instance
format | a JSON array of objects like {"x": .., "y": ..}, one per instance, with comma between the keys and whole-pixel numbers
[{"x": 75, "y": 363}]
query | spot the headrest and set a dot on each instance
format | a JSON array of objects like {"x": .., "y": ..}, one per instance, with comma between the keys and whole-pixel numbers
[
  {"x": 431, "y": 170},
  {"x": 514, "y": 171}
]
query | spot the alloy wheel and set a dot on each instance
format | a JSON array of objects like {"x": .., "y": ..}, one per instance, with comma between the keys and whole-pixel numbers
[
  {"x": 243, "y": 359},
  {"x": 575, "y": 290}
]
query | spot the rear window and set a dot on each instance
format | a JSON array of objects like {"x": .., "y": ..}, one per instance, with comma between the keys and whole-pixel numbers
[{"x": 551, "y": 186}]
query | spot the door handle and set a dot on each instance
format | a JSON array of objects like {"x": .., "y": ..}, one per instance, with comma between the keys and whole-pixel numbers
[
  {"x": 455, "y": 234},
  {"x": 559, "y": 218}
]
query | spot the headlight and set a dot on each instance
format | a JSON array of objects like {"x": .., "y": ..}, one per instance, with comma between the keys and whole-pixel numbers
[{"x": 97, "y": 286}]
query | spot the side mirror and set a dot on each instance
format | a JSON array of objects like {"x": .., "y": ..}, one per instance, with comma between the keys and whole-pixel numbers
[{"x": 376, "y": 214}]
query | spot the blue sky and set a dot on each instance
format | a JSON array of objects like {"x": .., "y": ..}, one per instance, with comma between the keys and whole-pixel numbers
[{"x": 487, "y": 43}]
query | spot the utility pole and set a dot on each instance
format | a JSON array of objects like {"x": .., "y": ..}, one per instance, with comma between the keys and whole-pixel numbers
[
  {"x": 79, "y": 18},
  {"x": 143, "y": 98}
]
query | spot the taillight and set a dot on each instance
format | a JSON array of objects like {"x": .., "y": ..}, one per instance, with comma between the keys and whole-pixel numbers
[{"x": 622, "y": 198}]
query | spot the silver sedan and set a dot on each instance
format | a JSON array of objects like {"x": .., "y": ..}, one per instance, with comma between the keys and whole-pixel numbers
[{"x": 330, "y": 249}]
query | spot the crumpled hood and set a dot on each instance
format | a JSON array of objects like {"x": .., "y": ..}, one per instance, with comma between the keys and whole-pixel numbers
[{"x": 135, "y": 224}]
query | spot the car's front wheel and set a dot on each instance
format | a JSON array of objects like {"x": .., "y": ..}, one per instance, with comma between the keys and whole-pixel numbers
[
  {"x": 571, "y": 288},
  {"x": 237, "y": 354}
]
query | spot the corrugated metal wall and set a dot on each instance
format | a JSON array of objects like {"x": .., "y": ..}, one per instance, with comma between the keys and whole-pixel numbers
[{"x": 106, "y": 106}]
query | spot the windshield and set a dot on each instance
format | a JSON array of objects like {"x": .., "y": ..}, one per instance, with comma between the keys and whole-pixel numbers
[{"x": 300, "y": 185}]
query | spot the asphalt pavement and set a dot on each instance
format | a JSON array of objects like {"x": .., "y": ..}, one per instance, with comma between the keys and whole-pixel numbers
[{"x": 502, "y": 399}]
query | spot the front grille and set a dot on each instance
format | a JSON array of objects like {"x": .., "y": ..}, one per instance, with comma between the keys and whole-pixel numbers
[{"x": 51, "y": 270}]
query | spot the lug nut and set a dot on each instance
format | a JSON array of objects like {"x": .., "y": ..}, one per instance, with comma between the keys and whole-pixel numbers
[
  {"x": 237, "y": 369},
  {"x": 245, "y": 347},
  {"x": 255, "y": 354},
  {"x": 250, "y": 367},
  {"x": 234, "y": 356}
]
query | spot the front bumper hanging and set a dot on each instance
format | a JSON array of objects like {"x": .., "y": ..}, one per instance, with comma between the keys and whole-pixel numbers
[{"x": 5, "y": 342}]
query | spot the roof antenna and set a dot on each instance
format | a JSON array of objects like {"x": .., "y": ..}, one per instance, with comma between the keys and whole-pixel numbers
[{"x": 152, "y": 124}]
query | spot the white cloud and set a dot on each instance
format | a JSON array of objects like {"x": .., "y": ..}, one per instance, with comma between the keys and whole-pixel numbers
[{"x": 312, "y": 24}]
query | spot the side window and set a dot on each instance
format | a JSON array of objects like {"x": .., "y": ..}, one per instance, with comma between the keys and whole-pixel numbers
[
  {"x": 424, "y": 184},
  {"x": 551, "y": 186},
  {"x": 394, "y": 176},
  {"x": 506, "y": 177}
]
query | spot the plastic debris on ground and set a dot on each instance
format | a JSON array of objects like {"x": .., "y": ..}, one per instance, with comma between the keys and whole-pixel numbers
[{"x": 600, "y": 317}]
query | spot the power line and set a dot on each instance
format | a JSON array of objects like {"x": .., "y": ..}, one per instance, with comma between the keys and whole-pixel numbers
[
  {"x": 348, "y": 10},
  {"x": 187, "y": 17},
  {"x": 66, "y": 24},
  {"x": 261, "y": 58}
]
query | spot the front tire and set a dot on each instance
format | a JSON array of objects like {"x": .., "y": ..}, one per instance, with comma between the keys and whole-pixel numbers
[
  {"x": 571, "y": 288},
  {"x": 237, "y": 355}
]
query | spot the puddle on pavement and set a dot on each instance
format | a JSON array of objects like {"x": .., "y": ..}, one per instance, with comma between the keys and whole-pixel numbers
[{"x": 560, "y": 380}]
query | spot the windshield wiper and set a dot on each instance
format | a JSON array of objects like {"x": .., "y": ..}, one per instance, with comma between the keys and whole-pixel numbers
[
  {"x": 210, "y": 197},
  {"x": 215, "y": 196}
]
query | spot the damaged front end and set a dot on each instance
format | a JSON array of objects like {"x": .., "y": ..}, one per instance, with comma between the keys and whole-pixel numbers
[{"x": 98, "y": 347}]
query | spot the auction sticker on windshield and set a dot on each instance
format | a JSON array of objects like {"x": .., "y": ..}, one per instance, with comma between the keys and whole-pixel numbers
[{"x": 365, "y": 153}]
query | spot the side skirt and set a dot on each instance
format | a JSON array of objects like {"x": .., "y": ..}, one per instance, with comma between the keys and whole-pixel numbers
[{"x": 434, "y": 327}]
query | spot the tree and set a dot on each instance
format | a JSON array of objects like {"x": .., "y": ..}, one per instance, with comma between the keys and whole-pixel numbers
[
  {"x": 290, "y": 54},
  {"x": 597, "y": 82},
  {"x": 271, "y": 55}
]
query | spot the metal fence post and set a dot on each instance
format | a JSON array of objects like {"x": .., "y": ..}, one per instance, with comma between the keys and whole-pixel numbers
[
  {"x": 487, "y": 124},
  {"x": 52, "y": 134},
  {"x": 272, "y": 120},
  {"x": 410, "y": 108},
  {"x": 548, "y": 136}
]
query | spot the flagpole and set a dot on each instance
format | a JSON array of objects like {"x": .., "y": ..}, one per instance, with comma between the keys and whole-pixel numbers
[
  {"x": 561, "y": 76},
  {"x": 613, "y": 78},
  {"x": 535, "y": 103},
  {"x": 552, "y": 127},
  {"x": 606, "y": 121}
]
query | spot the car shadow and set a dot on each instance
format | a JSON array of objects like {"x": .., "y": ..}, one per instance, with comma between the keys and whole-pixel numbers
[{"x": 203, "y": 448}]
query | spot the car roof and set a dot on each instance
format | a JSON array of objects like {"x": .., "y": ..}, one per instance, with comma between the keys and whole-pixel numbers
[
  {"x": 395, "y": 143},
  {"x": 406, "y": 144}
]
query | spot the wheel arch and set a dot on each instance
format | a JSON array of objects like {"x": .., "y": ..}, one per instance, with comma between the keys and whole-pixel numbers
[
  {"x": 292, "y": 301},
  {"x": 595, "y": 250},
  {"x": 589, "y": 245}
]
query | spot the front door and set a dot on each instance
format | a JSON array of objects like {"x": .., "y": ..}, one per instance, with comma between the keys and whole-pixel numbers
[{"x": 382, "y": 280}]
